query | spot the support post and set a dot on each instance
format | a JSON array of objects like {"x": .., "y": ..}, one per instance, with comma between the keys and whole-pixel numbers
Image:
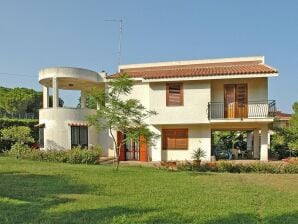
[
  {"x": 83, "y": 99},
  {"x": 256, "y": 144},
  {"x": 264, "y": 143},
  {"x": 55, "y": 93},
  {"x": 45, "y": 96}
]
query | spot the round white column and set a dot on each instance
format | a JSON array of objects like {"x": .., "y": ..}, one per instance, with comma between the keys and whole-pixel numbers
[
  {"x": 45, "y": 96},
  {"x": 55, "y": 93}
]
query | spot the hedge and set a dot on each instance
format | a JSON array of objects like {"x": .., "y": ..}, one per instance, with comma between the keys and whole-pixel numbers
[
  {"x": 7, "y": 122},
  {"x": 253, "y": 167},
  {"x": 74, "y": 156}
]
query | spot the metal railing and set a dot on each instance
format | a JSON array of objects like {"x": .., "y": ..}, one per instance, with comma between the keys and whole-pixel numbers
[
  {"x": 18, "y": 115},
  {"x": 253, "y": 109}
]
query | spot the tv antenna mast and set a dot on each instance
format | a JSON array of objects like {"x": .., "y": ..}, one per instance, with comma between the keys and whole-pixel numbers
[{"x": 120, "y": 21}]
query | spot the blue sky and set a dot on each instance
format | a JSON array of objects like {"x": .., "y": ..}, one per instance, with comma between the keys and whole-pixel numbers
[{"x": 37, "y": 34}]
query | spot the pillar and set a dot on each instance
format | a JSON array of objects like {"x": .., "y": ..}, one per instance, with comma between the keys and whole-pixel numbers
[
  {"x": 249, "y": 140},
  {"x": 55, "y": 93},
  {"x": 264, "y": 143},
  {"x": 156, "y": 150},
  {"x": 83, "y": 99},
  {"x": 45, "y": 96},
  {"x": 256, "y": 144}
]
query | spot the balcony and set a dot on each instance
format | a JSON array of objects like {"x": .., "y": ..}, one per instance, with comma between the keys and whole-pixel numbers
[{"x": 252, "y": 109}]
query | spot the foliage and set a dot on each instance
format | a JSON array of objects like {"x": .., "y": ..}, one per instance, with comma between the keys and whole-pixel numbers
[
  {"x": 22, "y": 100},
  {"x": 16, "y": 99},
  {"x": 254, "y": 167},
  {"x": 119, "y": 114},
  {"x": 91, "y": 102},
  {"x": 198, "y": 154},
  {"x": 20, "y": 136},
  {"x": 6, "y": 122},
  {"x": 74, "y": 156},
  {"x": 227, "y": 140},
  {"x": 287, "y": 138}
]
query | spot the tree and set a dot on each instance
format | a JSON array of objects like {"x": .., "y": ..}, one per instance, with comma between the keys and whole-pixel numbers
[
  {"x": 17, "y": 99},
  {"x": 287, "y": 137},
  {"x": 20, "y": 135},
  {"x": 126, "y": 116}
]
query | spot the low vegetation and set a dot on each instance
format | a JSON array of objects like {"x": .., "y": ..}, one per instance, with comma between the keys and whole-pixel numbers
[
  {"x": 36, "y": 192},
  {"x": 75, "y": 155},
  {"x": 5, "y": 123},
  {"x": 285, "y": 140},
  {"x": 290, "y": 167}
]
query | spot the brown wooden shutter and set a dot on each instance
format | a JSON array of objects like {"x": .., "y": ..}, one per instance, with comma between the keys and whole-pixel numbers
[
  {"x": 181, "y": 139},
  {"x": 175, "y": 138},
  {"x": 230, "y": 100},
  {"x": 143, "y": 149},
  {"x": 241, "y": 100},
  {"x": 174, "y": 95},
  {"x": 120, "y": 138}
]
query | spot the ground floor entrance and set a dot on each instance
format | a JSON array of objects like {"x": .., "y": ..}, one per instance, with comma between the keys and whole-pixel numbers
[
  {"x": 132, "y": 149},
  {"x": 240, "y": 141}
]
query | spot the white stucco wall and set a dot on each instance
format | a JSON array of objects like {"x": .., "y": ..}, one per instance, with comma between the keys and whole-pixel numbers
[
  {"x": 257, "y": 88},
  {"x": 198, "y": 136},
  {"x": 57, "y": 132},
  {"x": 195, "y": 104}
]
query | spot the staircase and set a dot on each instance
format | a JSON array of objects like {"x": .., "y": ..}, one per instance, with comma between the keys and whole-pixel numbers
[{"x": 106, "y": 160}]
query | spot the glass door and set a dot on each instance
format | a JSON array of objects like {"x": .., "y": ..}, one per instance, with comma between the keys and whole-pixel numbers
[{"x": 132, "y": 150}]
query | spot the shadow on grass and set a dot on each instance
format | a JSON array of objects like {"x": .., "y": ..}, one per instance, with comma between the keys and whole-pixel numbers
[{"x": 25, "y": 197}]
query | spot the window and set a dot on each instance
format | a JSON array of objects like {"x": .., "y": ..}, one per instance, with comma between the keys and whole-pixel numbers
[
  {"x": 79, "y": 136},
  {"x": 174, "y": 94},
  {"x": 41, "y": 137},
  {"x": 175, "y": 138}
]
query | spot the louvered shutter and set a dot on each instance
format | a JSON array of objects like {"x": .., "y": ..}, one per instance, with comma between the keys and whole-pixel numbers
[
  {"x": 174, "y": 94},
  {"x": 242, "y": 100}
]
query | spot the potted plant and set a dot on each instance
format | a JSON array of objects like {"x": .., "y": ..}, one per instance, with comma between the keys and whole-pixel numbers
[{"x": 197, "y": 155}]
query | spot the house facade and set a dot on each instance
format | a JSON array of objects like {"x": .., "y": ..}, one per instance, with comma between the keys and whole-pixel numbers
[{"x": 192, "y": 99}]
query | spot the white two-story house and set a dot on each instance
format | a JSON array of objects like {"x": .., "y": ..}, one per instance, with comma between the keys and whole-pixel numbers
[{"x": 191, "y": 98}]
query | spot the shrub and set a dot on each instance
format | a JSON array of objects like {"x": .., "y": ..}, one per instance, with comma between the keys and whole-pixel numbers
[
  {"x": 75, "y": 155},
  {"x": 256, "y": 167},
  {"x": 7, "y": 122}
]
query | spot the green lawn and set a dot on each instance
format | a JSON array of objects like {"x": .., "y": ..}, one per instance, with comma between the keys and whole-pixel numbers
[{"x": 40, "y": 192}]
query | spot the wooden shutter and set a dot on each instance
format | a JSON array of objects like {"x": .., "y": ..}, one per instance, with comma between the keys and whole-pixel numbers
[
  {"x": 174, "y": 95},
  {"x": 241, "y": 101},
  {"x": 143, "y": 149},
  {"x": 236, "y": 101},
  {"x": 230, "y": 100},
  {"x": 120, "y": 138},
  {"x": 175, "y": 138},
  {"x": 181, "y": 139}
]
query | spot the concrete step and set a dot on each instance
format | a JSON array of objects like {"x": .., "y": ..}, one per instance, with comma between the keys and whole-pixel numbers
[{"x": 106, "y": 160}]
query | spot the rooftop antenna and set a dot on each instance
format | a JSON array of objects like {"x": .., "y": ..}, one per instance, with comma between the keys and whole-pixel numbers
[{"x": 120, "y": 21}]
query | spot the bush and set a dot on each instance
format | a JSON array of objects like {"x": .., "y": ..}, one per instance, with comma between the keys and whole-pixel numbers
[
  {"x": 256, "y": 167},
  {"x": 74, "y": 156},
  {"x": 7, "y": 122}
]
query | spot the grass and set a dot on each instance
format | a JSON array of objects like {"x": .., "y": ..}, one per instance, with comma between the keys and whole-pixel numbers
[{"x": 40, "y": 192}]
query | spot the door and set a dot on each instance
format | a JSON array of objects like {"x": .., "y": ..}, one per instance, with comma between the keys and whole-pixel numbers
[
  {"x": 131, "y": 149},
  {"x": 120, "y": 138},
  {"x": 230, "y": 101},
  {"x": 236, "y": 101}
]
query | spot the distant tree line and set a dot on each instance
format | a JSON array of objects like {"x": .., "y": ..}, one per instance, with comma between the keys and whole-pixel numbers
[{"x": 21, "y": 100}]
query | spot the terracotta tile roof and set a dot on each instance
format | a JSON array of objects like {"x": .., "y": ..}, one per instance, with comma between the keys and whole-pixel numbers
[
  {"x": 78, "y": 124},
  {"x": 198, "y": 70},
  {"x": 281, "y": 115}
]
